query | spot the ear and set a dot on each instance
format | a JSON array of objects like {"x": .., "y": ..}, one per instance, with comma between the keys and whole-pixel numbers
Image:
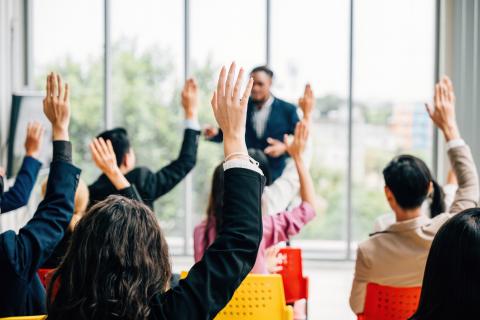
[
  {"x": 388, "y": 193},
  {"x": 430, "y": 188}
]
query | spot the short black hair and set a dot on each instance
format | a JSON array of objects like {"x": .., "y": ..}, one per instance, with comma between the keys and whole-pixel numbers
[
  {"x": 120, "y": 142},
  {"x": 259, "y": 156},
  {"x": 265, "y": 69}
]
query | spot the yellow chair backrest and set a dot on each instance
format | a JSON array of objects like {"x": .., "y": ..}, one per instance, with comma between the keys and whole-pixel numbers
[
  {"x": 258, "y": 297},
  {"x": 25, "y": 318}
]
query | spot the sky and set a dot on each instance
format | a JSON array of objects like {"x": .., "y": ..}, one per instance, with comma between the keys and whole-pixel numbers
[{"x": 393, "y": 47}]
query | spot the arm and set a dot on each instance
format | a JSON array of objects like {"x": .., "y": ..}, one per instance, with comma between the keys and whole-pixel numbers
[
  {"x": 359, "y": 284},
  {"x": 168, "y": 177},
  {"x": 443, "y": 115},
  {"x": 19, "y": 194},
  {"x": 212, "y": 281},
  {"x": 28, "y": 250},
  {"x": 105, "y": 159}
]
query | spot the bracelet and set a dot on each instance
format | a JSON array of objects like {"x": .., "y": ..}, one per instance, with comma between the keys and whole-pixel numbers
[{"x": 243, "y": 155}]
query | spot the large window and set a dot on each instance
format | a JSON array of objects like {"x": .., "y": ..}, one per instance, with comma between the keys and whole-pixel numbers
[
  {"x": 65, "y": 43},
  {"x": 147, "y": 75},
  {"x": 153, "y": 45}
]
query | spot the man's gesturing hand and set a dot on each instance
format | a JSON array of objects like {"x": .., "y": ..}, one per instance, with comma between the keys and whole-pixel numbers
[
  {"x": 443, "y": 111},
  {"x": 230, "y": 109},
  {"x": 34, "y": 138},
  {"x": 56, "y": 106},
  {"x": 307, "y": 102},
  {"x": 190, "y": 99}
]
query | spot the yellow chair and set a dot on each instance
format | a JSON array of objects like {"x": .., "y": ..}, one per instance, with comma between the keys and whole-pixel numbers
[
  {"x": 258, "y": 297},
  {"x": 25, "y": 318}
]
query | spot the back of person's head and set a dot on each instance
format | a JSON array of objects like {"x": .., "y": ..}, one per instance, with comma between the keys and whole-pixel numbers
[
  {"x": 120, "y": 142},
  {"x": 259, "y": 156},
  {"x": 409, "y": 180},
  {"x": 81, "y": 200},
  {"x": 451, "y": 283},
  {"x": 265, "y": 69},
  {"x": 117, "y": 261}
]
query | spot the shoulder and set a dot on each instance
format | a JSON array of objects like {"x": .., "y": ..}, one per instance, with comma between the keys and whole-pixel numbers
[
  {"x": 436, "y": 223},
  {"x": 200, "y": 228},
  {"x": 284, "y": 104},
  {"x": 138, "y": 173}
]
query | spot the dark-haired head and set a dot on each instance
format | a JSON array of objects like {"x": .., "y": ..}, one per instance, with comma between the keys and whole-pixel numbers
[
  {"x": 451, "y": 283},
  {"x": 117, "y": 261},
  {"x": 259, "y": 156},
  {"x": 262, "y": 84},
  {"x": 408, "y": 182},
  {"x": 121, "y": 146}
]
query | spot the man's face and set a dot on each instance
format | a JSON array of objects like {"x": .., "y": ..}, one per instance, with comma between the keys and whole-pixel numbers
[{"x": 261, "y": 86}]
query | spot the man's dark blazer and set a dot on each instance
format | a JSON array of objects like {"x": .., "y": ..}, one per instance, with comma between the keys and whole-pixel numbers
[
  {"x": 152, "y": 185},
  {"x": 17, "y": 196},
  {"x": 282, "y": 120},
  {"x": 22, "y": 255}
]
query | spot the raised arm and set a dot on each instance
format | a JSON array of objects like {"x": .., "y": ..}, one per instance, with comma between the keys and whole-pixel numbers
[
  {"x": 104, "y": 157},
  {"x": 212, "y": 281},
  {"x": 443, "y": 116},
  {"x": 28, "y": 250},
  {"x": 164, "y": 180},
  {"x": 19, "y": 194}
]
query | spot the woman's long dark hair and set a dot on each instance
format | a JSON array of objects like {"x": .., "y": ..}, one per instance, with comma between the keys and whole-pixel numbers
[
  {"x": 215, "y": 205},
  {"x": 116, "y": 263},
  {"x": 409, "y": 178},
  {"x": 451, "y": 283}
]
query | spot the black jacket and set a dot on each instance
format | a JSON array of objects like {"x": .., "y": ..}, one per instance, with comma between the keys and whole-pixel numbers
[
  {"x": 152, "y": 185},
  {"x": 21, "y": 292},
  {"x": 212, "y": 281}
]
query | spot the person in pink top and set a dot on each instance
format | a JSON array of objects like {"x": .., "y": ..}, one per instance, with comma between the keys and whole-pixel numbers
[{"x": 276, "y": 228}]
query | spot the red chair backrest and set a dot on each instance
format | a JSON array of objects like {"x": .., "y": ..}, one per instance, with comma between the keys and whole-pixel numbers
[
  {"x": 294, "y": 283},
  {"x": 42, "y": 274},
  {"x": 390, "y": 303}
]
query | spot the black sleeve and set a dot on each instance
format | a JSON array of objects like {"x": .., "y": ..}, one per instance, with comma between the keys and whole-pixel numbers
[
  {"x": 35, "y": 242},
  {"x": 130, "y": 192},
  {"x": 218, "y": 138},
  {"x": 62, "y": 151},
  {"x": 212, "y": 281},
  {"x": 157, "y": 184}
]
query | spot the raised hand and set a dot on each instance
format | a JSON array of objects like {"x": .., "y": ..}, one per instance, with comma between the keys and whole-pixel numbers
[
  {"x": 56, "y": 106},
  {"x": 104, "y": 157},
  {"x": 307, "y": 102},
  {"x": 210, "y": 131},
  {"x": 230, "y": 110},
  {"x": 190, "y": 99},
  {"x": 34, "y": 138},
  {"x": 443, "y": 111},
  {"x": 296, "y": 147},
  {"x": 275, "y": 149},
  {"x": 274, "y": 259}
]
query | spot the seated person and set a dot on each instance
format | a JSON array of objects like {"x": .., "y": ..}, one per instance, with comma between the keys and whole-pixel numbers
[
  {"x": 22, "y": 254},
  {"x": 397, "y": 255},
  {"x": 268, "y": 119},
  {"x": 450, "y": 285},
  {"x": 276, "y": 228},
  {"x": 152, "y": 185},
  {"x": 119, "y": 255},
  {"x": 19, "y": 194}
]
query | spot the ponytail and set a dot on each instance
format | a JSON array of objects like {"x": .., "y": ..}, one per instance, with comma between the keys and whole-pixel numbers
[{"x": 438, "y": 200}]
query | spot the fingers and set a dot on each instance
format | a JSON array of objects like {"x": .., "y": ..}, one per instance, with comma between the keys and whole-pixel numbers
[
  {"x": 60, "y": 87},
  {"x": 308, "y": 91},
  {"x": 230, "y": 77},
  {"x": 221, "y": 82},
  {"x": 54, "y": 84},
  {"x": 67, "y": 93},
  {"x": 214, "y": 102},
  {"x": 247, "y": 92},
  {"x": 47, "y": 87},
  {"x": 238, "y": 85},
  {"x": 285, "y": 139},
  {"x": 429, "y": 109},
  {"x": 436, "y": 97}
]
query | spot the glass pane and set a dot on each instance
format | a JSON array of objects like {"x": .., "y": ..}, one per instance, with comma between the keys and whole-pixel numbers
[
  {"x": 147, "y": 50},
  {"x": 241, "y": 37},
  {"x": 393, "y": 77},
  {"x": 313, "y": 48},
  {"x": 64, "y": 42}
]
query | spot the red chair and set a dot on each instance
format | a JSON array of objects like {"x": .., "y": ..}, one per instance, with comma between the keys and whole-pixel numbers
[
  {"x": 294, "y": 283},
  {"x": 43, "y": 274},
  {"x": 390, "y": 303}
]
